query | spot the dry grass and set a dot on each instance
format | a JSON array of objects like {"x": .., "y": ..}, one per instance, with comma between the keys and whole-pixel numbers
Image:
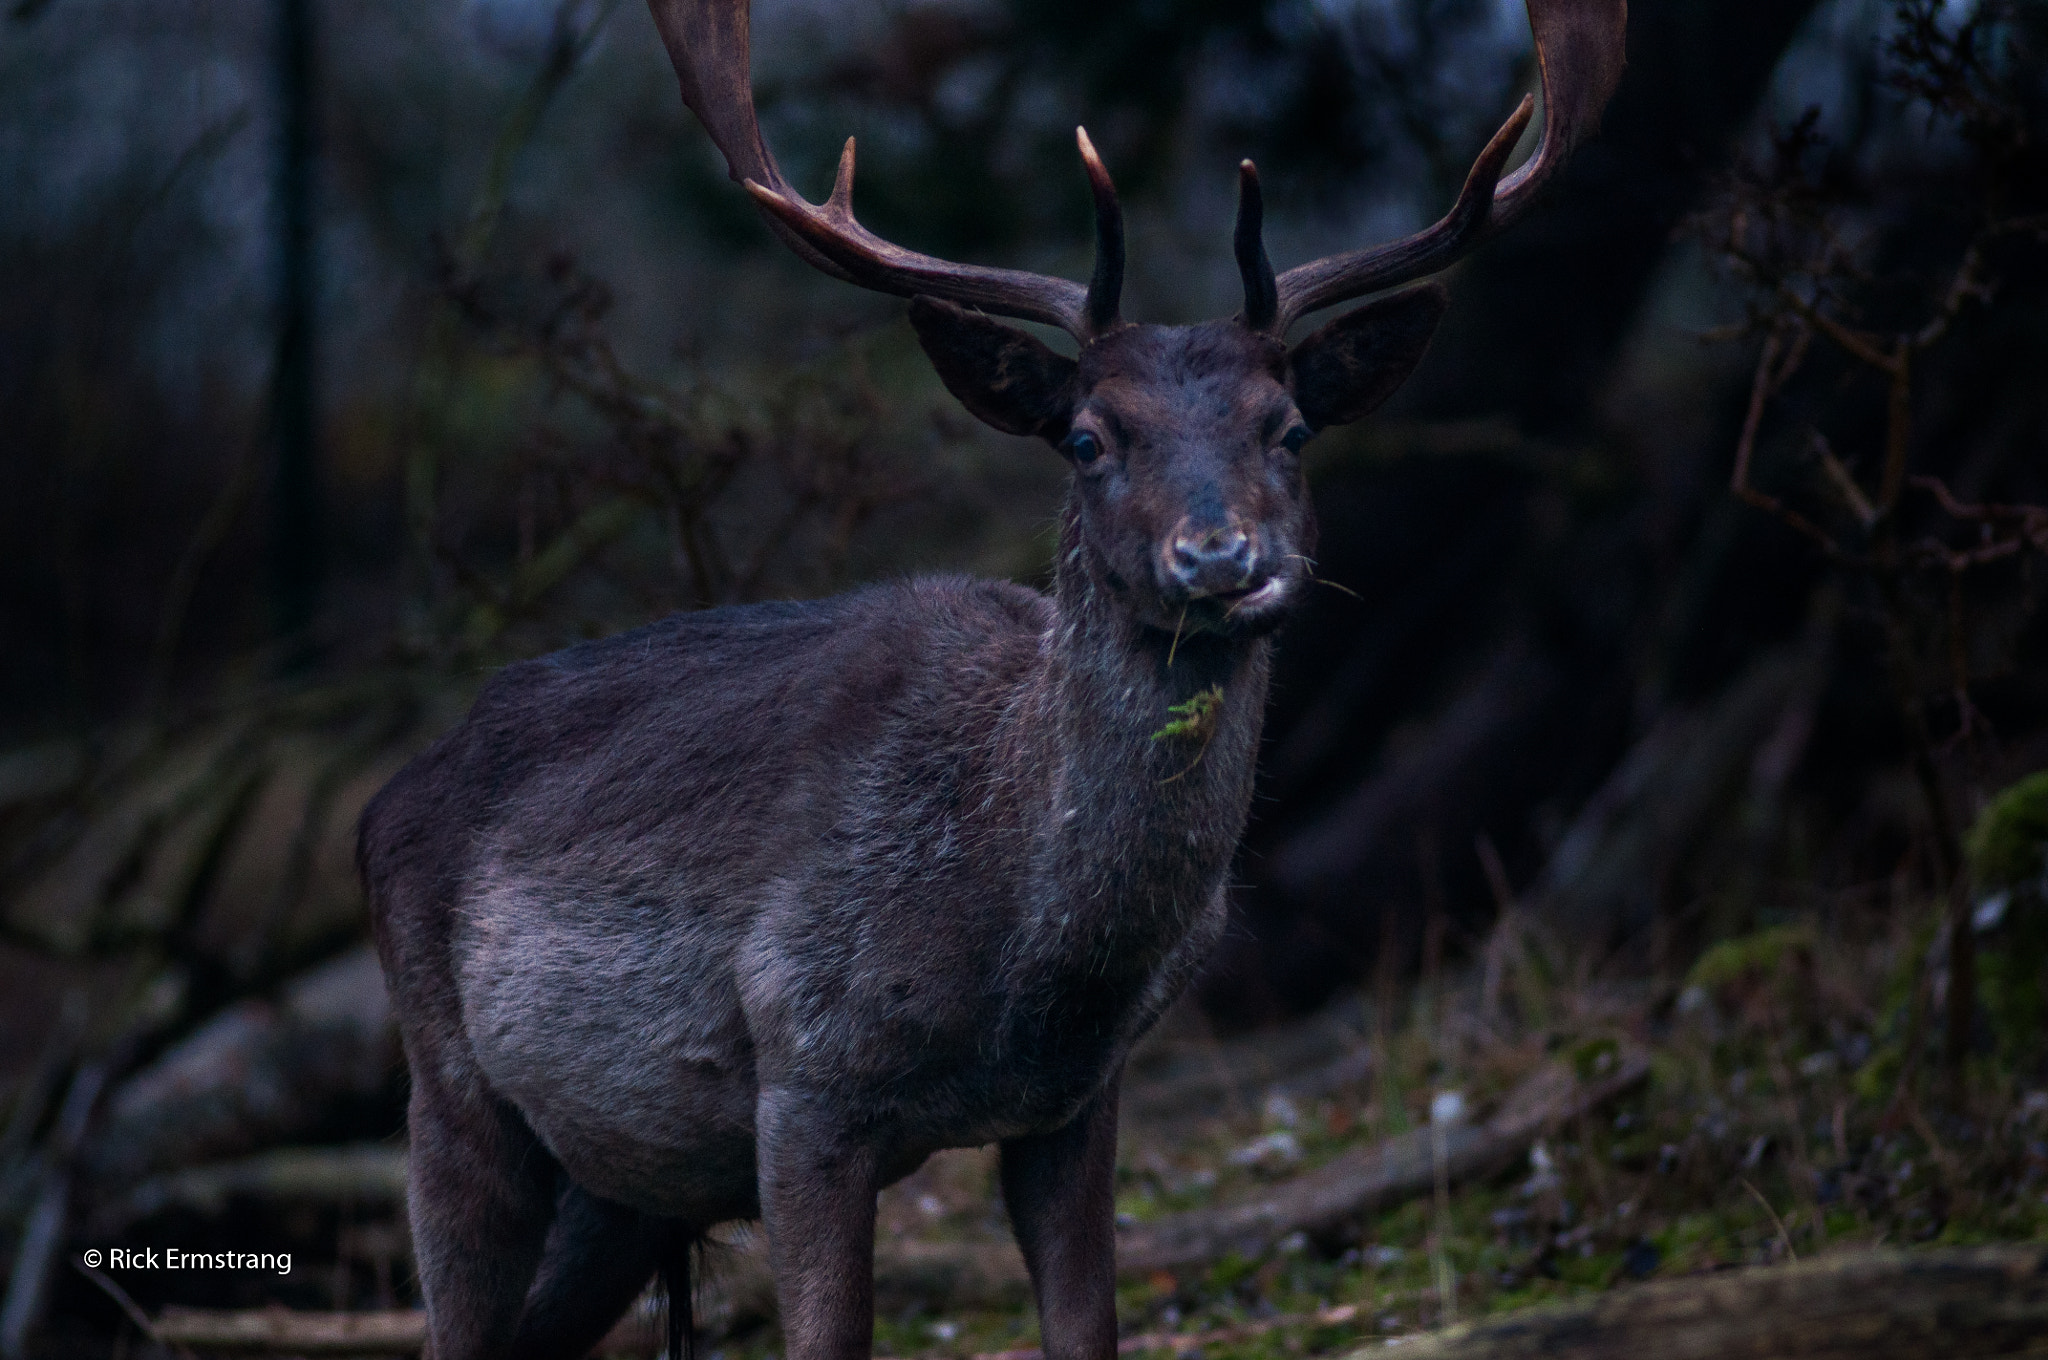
[{"x": 1773, "y": 1127}]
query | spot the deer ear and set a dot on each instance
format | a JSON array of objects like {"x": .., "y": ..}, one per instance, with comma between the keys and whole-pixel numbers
[
  {"x": 1346, "y": 369},
  {"x": 1007, "y": 378}
]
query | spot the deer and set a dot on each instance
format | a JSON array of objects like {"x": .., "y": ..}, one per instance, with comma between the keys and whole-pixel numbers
[{"x": 746, "y": 913}]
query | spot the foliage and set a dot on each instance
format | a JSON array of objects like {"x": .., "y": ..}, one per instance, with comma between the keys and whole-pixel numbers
[
  {"x": 2008, "y": 850},
  {"x": 1194, "y": 717},
  {"x": 1750, "y": 1144},
  {"x": 2008, "y": 845},
  {"x": 1784, "y": 232},
  {"x": 1773, "y": 958}
]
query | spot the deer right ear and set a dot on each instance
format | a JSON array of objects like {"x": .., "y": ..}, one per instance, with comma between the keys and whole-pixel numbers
[{"x": 1007, "y": 378}]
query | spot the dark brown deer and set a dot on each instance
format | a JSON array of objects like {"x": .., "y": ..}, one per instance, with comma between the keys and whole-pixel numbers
[{"x": 748, "y": 912}]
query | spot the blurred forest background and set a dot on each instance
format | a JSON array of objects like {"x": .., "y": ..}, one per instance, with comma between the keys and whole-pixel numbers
[{"x": 1690, "y": 592}]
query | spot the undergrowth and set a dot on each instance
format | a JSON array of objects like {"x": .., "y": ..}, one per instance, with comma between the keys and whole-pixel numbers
[{"x": 1773, "y": 1125}]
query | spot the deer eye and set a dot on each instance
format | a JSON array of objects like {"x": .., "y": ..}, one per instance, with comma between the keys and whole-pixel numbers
[
  {"x": 1083, "y": 447},
  {"x": 1295, "y": 438}
]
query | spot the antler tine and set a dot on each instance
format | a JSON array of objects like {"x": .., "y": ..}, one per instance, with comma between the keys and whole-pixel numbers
[
  {"x": 710, "y": 47},
  {"x": 1339, "y": 278},
  {"x": 709, "y": 44},
  {"x": 1106, "y": 285},
  {"x": 1580, "y": 47},
  {"x": 1261, "y": 296}
]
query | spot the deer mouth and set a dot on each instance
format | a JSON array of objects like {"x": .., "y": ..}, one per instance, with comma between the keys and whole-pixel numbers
[
  {"x": 1246, "y": 609},
  {"x": 1252, "y": 597}
]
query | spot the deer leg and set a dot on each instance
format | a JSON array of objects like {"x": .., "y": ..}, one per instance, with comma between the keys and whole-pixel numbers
[
  {"x": 818, "y": 1182},
  {"x": 598, "y": 1257},
  {"x": 1060, "y": 1191},
  {"x": 480, "y": 1196}
]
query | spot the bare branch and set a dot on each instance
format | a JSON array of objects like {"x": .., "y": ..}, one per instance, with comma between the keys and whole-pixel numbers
[
  {"x": 1844, "y": 481},
  {"x": 1770, "y": 374}
]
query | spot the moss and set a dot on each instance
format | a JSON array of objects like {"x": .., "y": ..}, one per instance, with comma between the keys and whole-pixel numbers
[
  {"x": 1594, "y": 1058},
  {"x": 1751, "y": 958},
  {"x": 2008, "y": 852},
  {"x": 1764, "y": 981},
  {"x": 2008, "y": 846},
  {"x": 1229, "y": 1272},
  {"x": 2011, "y": 979}
]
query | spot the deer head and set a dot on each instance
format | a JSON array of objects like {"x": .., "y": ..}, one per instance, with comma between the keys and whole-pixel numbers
[{"x": 1185, "y": 440}]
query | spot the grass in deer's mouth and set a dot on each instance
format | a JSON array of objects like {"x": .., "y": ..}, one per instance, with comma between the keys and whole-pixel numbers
[{"x": 1195, "y": 717}]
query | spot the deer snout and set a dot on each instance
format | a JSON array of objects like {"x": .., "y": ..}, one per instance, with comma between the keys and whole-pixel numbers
[{"x": 1210, "y": 559}]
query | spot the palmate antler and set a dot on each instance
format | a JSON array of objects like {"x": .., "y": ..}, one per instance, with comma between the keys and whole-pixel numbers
[
  {"x": 708, "y": 42},
  {"x": 1579, "y": 44}
]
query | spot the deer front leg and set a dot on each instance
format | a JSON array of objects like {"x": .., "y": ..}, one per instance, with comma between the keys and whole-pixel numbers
[
  {"x": 1060, "y": 1189},
  {"x": 818, "y": 1184}
]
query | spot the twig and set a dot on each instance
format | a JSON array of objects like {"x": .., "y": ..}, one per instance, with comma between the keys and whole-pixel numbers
[
  {"x": 1844, "y": 482},
  {"x": 1310, "y": 564},
  {"x": 1506, "y": 926},
  {"x": 122, "y": 1301},
  {"x": 1445, "y": 1278},
  {"x": 2027, "y": 516},
  {"x": 1784, "y": 1237},
  {"x": 1770, "y": 375},
  {"x": 228, "y": 506},
  {"x": 1860, "y": 344},
  {"x": 42, "y": 1237},
  {"x": 1898, "y": 427}
]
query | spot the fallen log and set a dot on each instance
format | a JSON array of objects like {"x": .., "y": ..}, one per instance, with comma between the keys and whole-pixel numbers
[
  {"x": 280, "y": 1331},
  {"x": 399, "y": 1331},
  {"x": 1368, "y": 1180},
  {"x": 1950, "y": 1304},
  {"x": 366, "y": 1175},
  {"x": 1673, "y": 782},
  {"x": 1363, "y": 1181},
  {"x": 258, "y": 1073}
]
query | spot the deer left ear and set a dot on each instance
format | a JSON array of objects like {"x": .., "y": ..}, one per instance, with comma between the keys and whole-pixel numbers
[
  {"x": 1007, "y": 378},
  {"x": 1344, "y": 371}
]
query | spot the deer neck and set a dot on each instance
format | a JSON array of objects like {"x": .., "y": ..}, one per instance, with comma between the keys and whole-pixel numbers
[{"x": 1155, "y": 738}]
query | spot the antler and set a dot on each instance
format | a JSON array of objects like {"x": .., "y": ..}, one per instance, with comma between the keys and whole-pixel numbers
[
  {"x": 1579, "y": 44},
  {"x": 708, "y": 42}
]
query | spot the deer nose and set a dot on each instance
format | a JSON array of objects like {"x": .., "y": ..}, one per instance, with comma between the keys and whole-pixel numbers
[{"x": 1210, "y": 559}]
